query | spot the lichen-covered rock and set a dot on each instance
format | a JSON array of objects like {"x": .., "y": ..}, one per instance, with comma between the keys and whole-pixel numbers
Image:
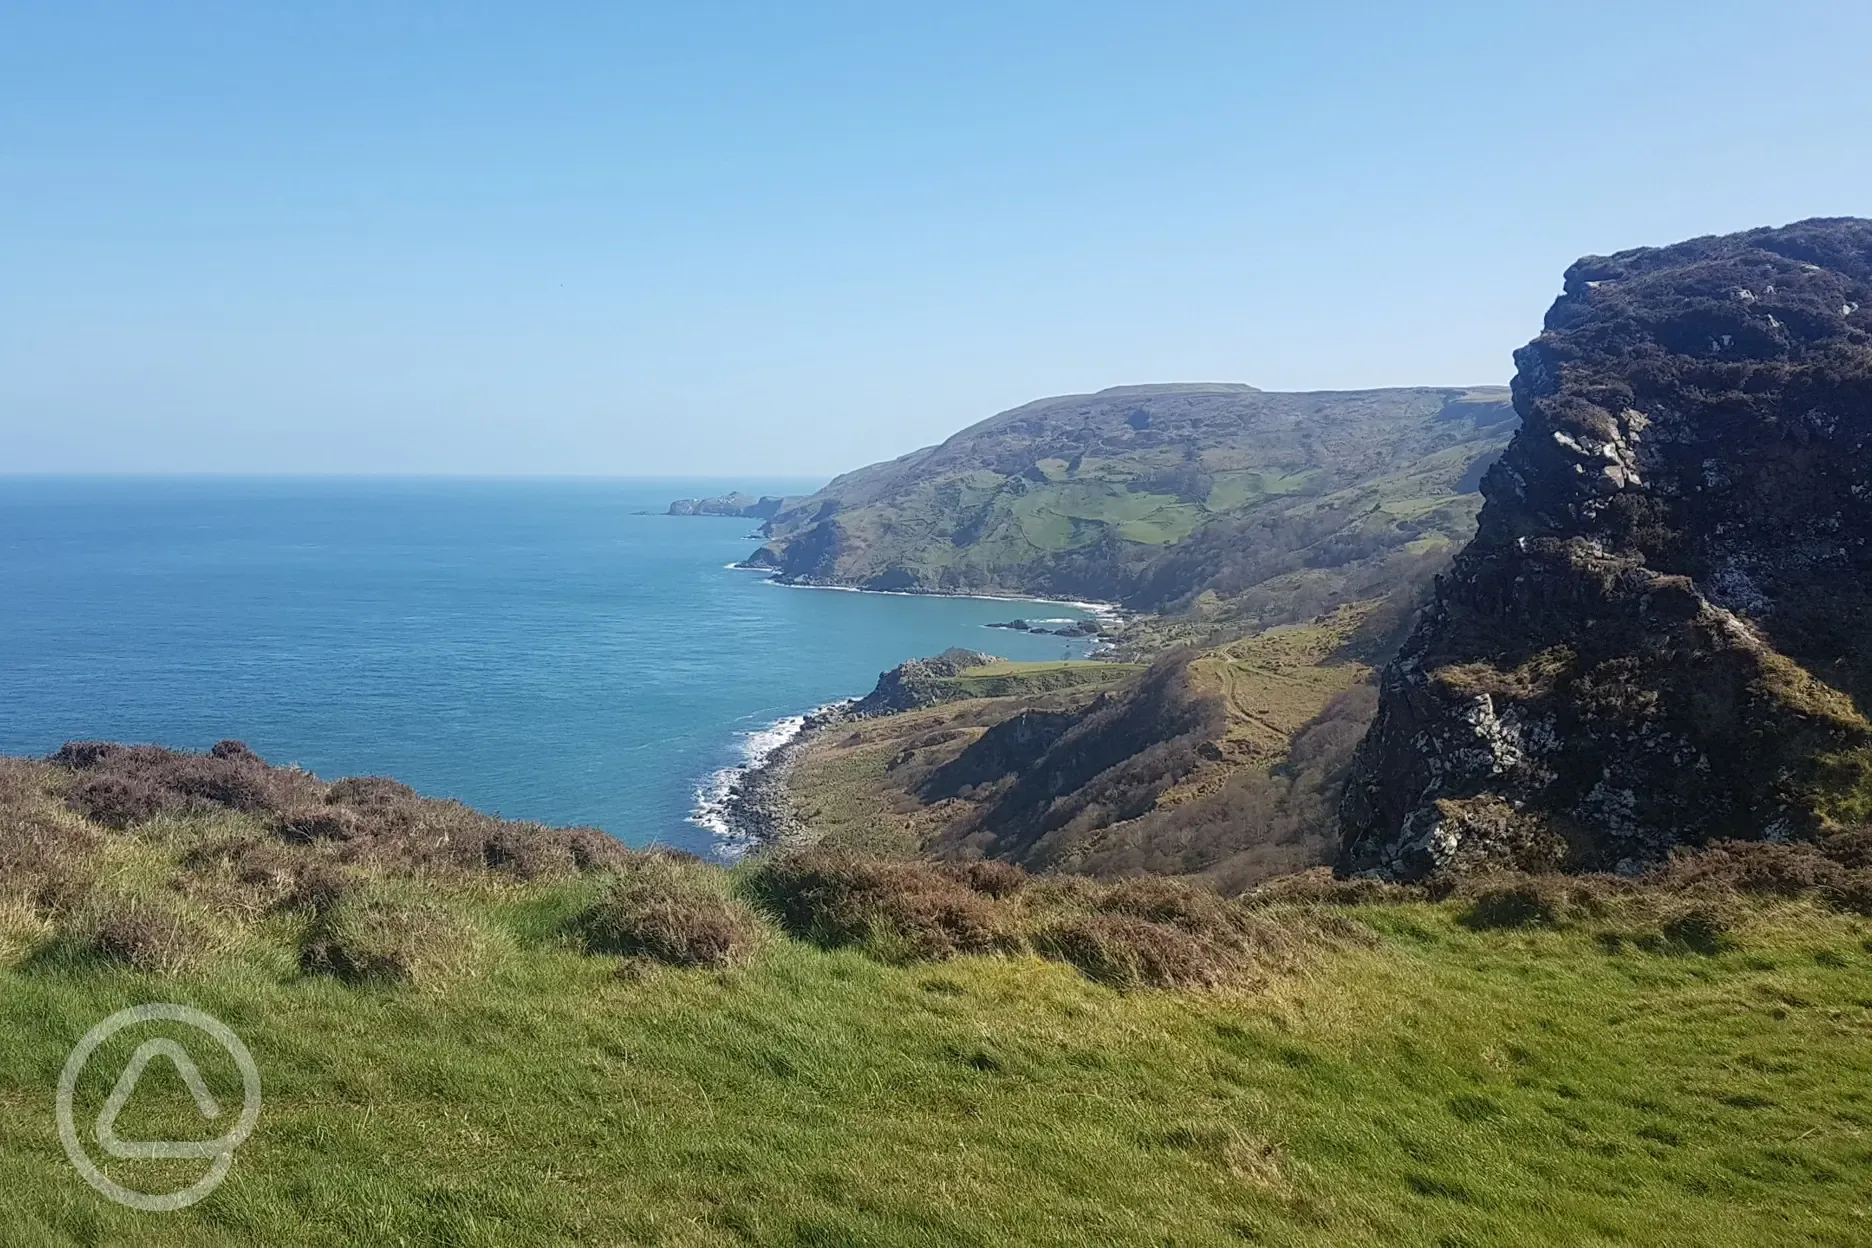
[{"x": 1662, "y": 632}]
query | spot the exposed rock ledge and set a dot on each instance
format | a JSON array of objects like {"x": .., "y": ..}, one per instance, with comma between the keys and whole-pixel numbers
[{"x": 1662, "y": 632}]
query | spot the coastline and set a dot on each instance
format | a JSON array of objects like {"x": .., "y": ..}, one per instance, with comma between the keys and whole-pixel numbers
[
  {"x": 746, "y": 807},
  {"x": 1090, "y": 605}
]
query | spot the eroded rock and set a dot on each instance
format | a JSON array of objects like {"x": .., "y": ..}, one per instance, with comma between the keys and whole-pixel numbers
[{"x": 1662, "y": 632}]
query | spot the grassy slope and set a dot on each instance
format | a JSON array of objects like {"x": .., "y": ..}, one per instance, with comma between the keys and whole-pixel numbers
[
  {"x": 843, "y": 786},
  {"x": 853, "y": 789},
  {"x": 1085, "y": 494},
  {"x": 1005, "y": 678},
  {"x": 1443, "y": 1087}
]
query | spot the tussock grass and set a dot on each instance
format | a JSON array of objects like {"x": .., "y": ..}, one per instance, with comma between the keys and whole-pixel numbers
[
  {"x": 674, "y": 912},
  {"x": 380, "y": 936}
]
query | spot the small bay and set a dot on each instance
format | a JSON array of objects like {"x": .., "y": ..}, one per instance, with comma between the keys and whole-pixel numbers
[{"x": 551, "y": 650}]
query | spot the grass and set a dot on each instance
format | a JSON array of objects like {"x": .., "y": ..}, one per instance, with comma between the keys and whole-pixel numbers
[
  {"x": 1004, "y": 678},
  {"x": 1223, "y": 491},
  {"x": 1445, "y": 1086},
  {"x": 861, "y": 788},
  {"x": 534, "y": 1044}
]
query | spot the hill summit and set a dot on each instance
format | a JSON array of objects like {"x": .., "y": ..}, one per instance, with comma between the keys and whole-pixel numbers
[
  {"x": 1662, "y": 631},
  {"x": 1154, "y": 495}
]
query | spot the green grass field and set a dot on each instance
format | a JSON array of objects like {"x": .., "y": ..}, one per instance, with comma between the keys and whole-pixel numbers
[
  {"x": 1440, "y": 1087},
  {"x": 1003, "y": 678}
]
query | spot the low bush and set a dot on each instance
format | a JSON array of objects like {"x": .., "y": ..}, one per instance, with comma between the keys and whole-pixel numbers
[
  {"x": 1528, "y": 902},
  {"x": 1756, "y": 867},
  {"x": 378, "y": 825},
  {"x": 990, "y": 877},
  {"x": 45, "y": 856},
  {"x": 303, "y": 825},
  {"x": 1194, "y": 909},
  {"x": 152, "y": 934},
  {"x": 1511, "y": 899},
  {"x": 1700, "y": 928},
  {"x": 1126, "y": 952},
  {"x": 120, "y": 786},
  {"x": 317, "y": 889},
  {"x": 1320, "y": 886},
  {"x": 672, "y": 912},
  {"x": 371, "y": 936},
  {"x": 899, "y": 910}
]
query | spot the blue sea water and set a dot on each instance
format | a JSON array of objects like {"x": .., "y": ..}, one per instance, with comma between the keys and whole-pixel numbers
[{"x": 539, "y": 649}]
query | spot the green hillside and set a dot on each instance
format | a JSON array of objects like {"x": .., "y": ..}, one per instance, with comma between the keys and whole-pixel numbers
[
  {"x": 1154, "y": 494},
  {"x": 474, "y": 1033}
]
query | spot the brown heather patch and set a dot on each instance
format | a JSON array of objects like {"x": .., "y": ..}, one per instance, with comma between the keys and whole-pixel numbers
[
  {"x": 1124, "y": 952},
  {"x": 1320, "y": 886},
  {"x": 900, "y": 910},
  {"x": 671, "y": 911},
  {"x": 377, "y": 825},
  {"x": 151, "y": 934},
  {"x": 1139, "y": 933}
]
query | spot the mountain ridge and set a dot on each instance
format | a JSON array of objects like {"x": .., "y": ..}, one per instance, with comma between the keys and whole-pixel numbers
[{"x": 1096, "y": 496}]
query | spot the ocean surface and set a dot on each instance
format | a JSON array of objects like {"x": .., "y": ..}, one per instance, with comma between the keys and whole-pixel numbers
[{"x": 549, "y": 650}]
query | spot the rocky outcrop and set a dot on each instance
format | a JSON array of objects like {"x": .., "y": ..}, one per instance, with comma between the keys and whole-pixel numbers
[
  {"x": 918, "y": 683},
  {"x": 745, "y": 506},
  {"x": 1662, "y": 631}
]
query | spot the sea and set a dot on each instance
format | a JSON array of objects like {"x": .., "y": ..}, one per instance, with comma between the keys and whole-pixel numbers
[{"x": 552, "y": 650}]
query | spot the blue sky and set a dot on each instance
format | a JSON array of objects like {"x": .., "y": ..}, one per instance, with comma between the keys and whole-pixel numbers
[{"x": 761, "y": 238}]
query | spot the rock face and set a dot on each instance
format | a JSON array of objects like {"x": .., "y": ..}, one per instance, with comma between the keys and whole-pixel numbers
[
  {"x": 1662, "y": 632},
  {"x": 917, "y": 683}
]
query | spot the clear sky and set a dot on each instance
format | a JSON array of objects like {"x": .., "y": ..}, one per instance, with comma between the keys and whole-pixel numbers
[{"x": 766, "y": 238}]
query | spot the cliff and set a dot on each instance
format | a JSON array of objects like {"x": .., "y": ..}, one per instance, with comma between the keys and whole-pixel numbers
[{"x": 1660, "y": 634}]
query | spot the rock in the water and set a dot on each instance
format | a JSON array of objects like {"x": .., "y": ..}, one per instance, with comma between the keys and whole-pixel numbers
[{"x": 1662, "y": 632}]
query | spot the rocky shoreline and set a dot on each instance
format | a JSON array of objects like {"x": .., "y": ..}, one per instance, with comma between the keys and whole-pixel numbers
[{"x": 755, "y": 812}]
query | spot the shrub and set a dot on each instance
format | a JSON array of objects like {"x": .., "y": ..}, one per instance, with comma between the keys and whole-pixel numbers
[
  {"x": 1125, "y": 952},
  {"x": 116, "y": 801},
  {"x": 1702, "y": 928},
  {"x": 900, "y": 910},
  {"x": 1758, "y": 867},
  {"x": 990, "y": 877},
  {"x": 1320, "y": 887},
  {"x": 303, "y": 825},
  {"x": 1528, "y": 902},
  {"x": 44, "y": 855},
  {"x": 1194, "y": 909},
  {"x": 375, "y": 937},
  {"x": 124, "y": 785},
  {"x": 317, "y": 889},
  {"x": 671, "y": 912},
  {"x": 1852, "y": 848},
  {"x": 416, "y": 836},
  {"x": 149, "y": 934}
]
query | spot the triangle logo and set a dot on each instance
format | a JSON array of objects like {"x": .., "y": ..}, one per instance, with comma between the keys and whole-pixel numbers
[{"x": 155, "y": 1150}]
